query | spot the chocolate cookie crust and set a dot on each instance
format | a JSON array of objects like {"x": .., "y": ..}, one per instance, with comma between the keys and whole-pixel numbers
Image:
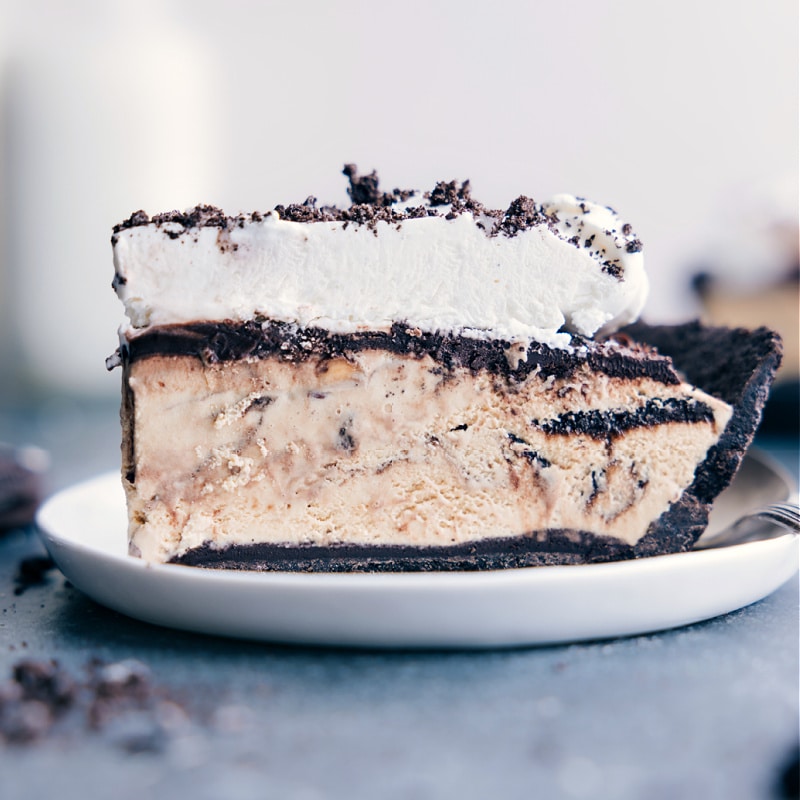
[{"x": 546, "y": 549}]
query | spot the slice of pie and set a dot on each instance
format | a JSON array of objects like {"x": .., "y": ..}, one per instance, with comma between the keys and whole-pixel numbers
[{"x": 416, "y": 382}]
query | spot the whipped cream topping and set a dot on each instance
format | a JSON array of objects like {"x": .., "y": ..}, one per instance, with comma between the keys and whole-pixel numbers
[{"x": 534, "y": 272}]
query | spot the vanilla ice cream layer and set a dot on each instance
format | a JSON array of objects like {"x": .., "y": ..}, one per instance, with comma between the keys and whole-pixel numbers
[
  {"x": 574, "y": 267},
  {"x": 385, "y": 449}
]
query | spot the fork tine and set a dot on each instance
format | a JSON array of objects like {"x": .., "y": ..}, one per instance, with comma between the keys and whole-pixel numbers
[
  {"x": 746, "y": 529},
  {"x": 786, "y": 515}
]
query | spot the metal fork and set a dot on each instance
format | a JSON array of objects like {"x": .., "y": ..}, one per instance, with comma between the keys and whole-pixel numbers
[{"x": 751, "y": 527}]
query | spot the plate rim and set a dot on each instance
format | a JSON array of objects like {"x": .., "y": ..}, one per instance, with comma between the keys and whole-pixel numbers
[
  {"x": 48, "y": 533},
  {"x": 477, "y": 610}
]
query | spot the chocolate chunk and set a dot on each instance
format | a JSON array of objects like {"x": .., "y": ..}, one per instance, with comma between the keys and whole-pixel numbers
[
  {"x": 345, "y": 439},
  {"x": 526, "y": 452}
]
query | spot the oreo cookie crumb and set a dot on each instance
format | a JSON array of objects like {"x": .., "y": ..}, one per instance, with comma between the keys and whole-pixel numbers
[
  {"x": 634, "y": 246},
  {"x": 612, "y": 267},
  {"x": 305, "y": 212},
  {"x": 363, "y": 189},
  {"x": 38, "y": 693},
  {"x": 521, "y": 215},
  {"x": 371, "y": 205},
  {"x": 32, "y": 572},
  {"x": 449, "y": 193},
  {"x": 47, "y": 683},
  {"x": 20, "y": 486},
  {"x": 788, "y": 783},
  {"x": 118, "y": 701}
]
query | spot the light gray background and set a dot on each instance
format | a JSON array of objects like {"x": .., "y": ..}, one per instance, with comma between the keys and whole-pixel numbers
[{"x": 682, "y": 115}]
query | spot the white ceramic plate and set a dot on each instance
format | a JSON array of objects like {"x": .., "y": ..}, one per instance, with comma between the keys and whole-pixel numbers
[{"x": 84, "y": 530}]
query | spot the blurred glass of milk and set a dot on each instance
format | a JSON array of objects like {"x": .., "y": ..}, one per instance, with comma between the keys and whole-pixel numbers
[{"x": 102, "y": 121}]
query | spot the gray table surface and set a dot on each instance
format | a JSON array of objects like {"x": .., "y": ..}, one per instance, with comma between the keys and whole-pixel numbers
[{"x": 706, "y": 711}]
